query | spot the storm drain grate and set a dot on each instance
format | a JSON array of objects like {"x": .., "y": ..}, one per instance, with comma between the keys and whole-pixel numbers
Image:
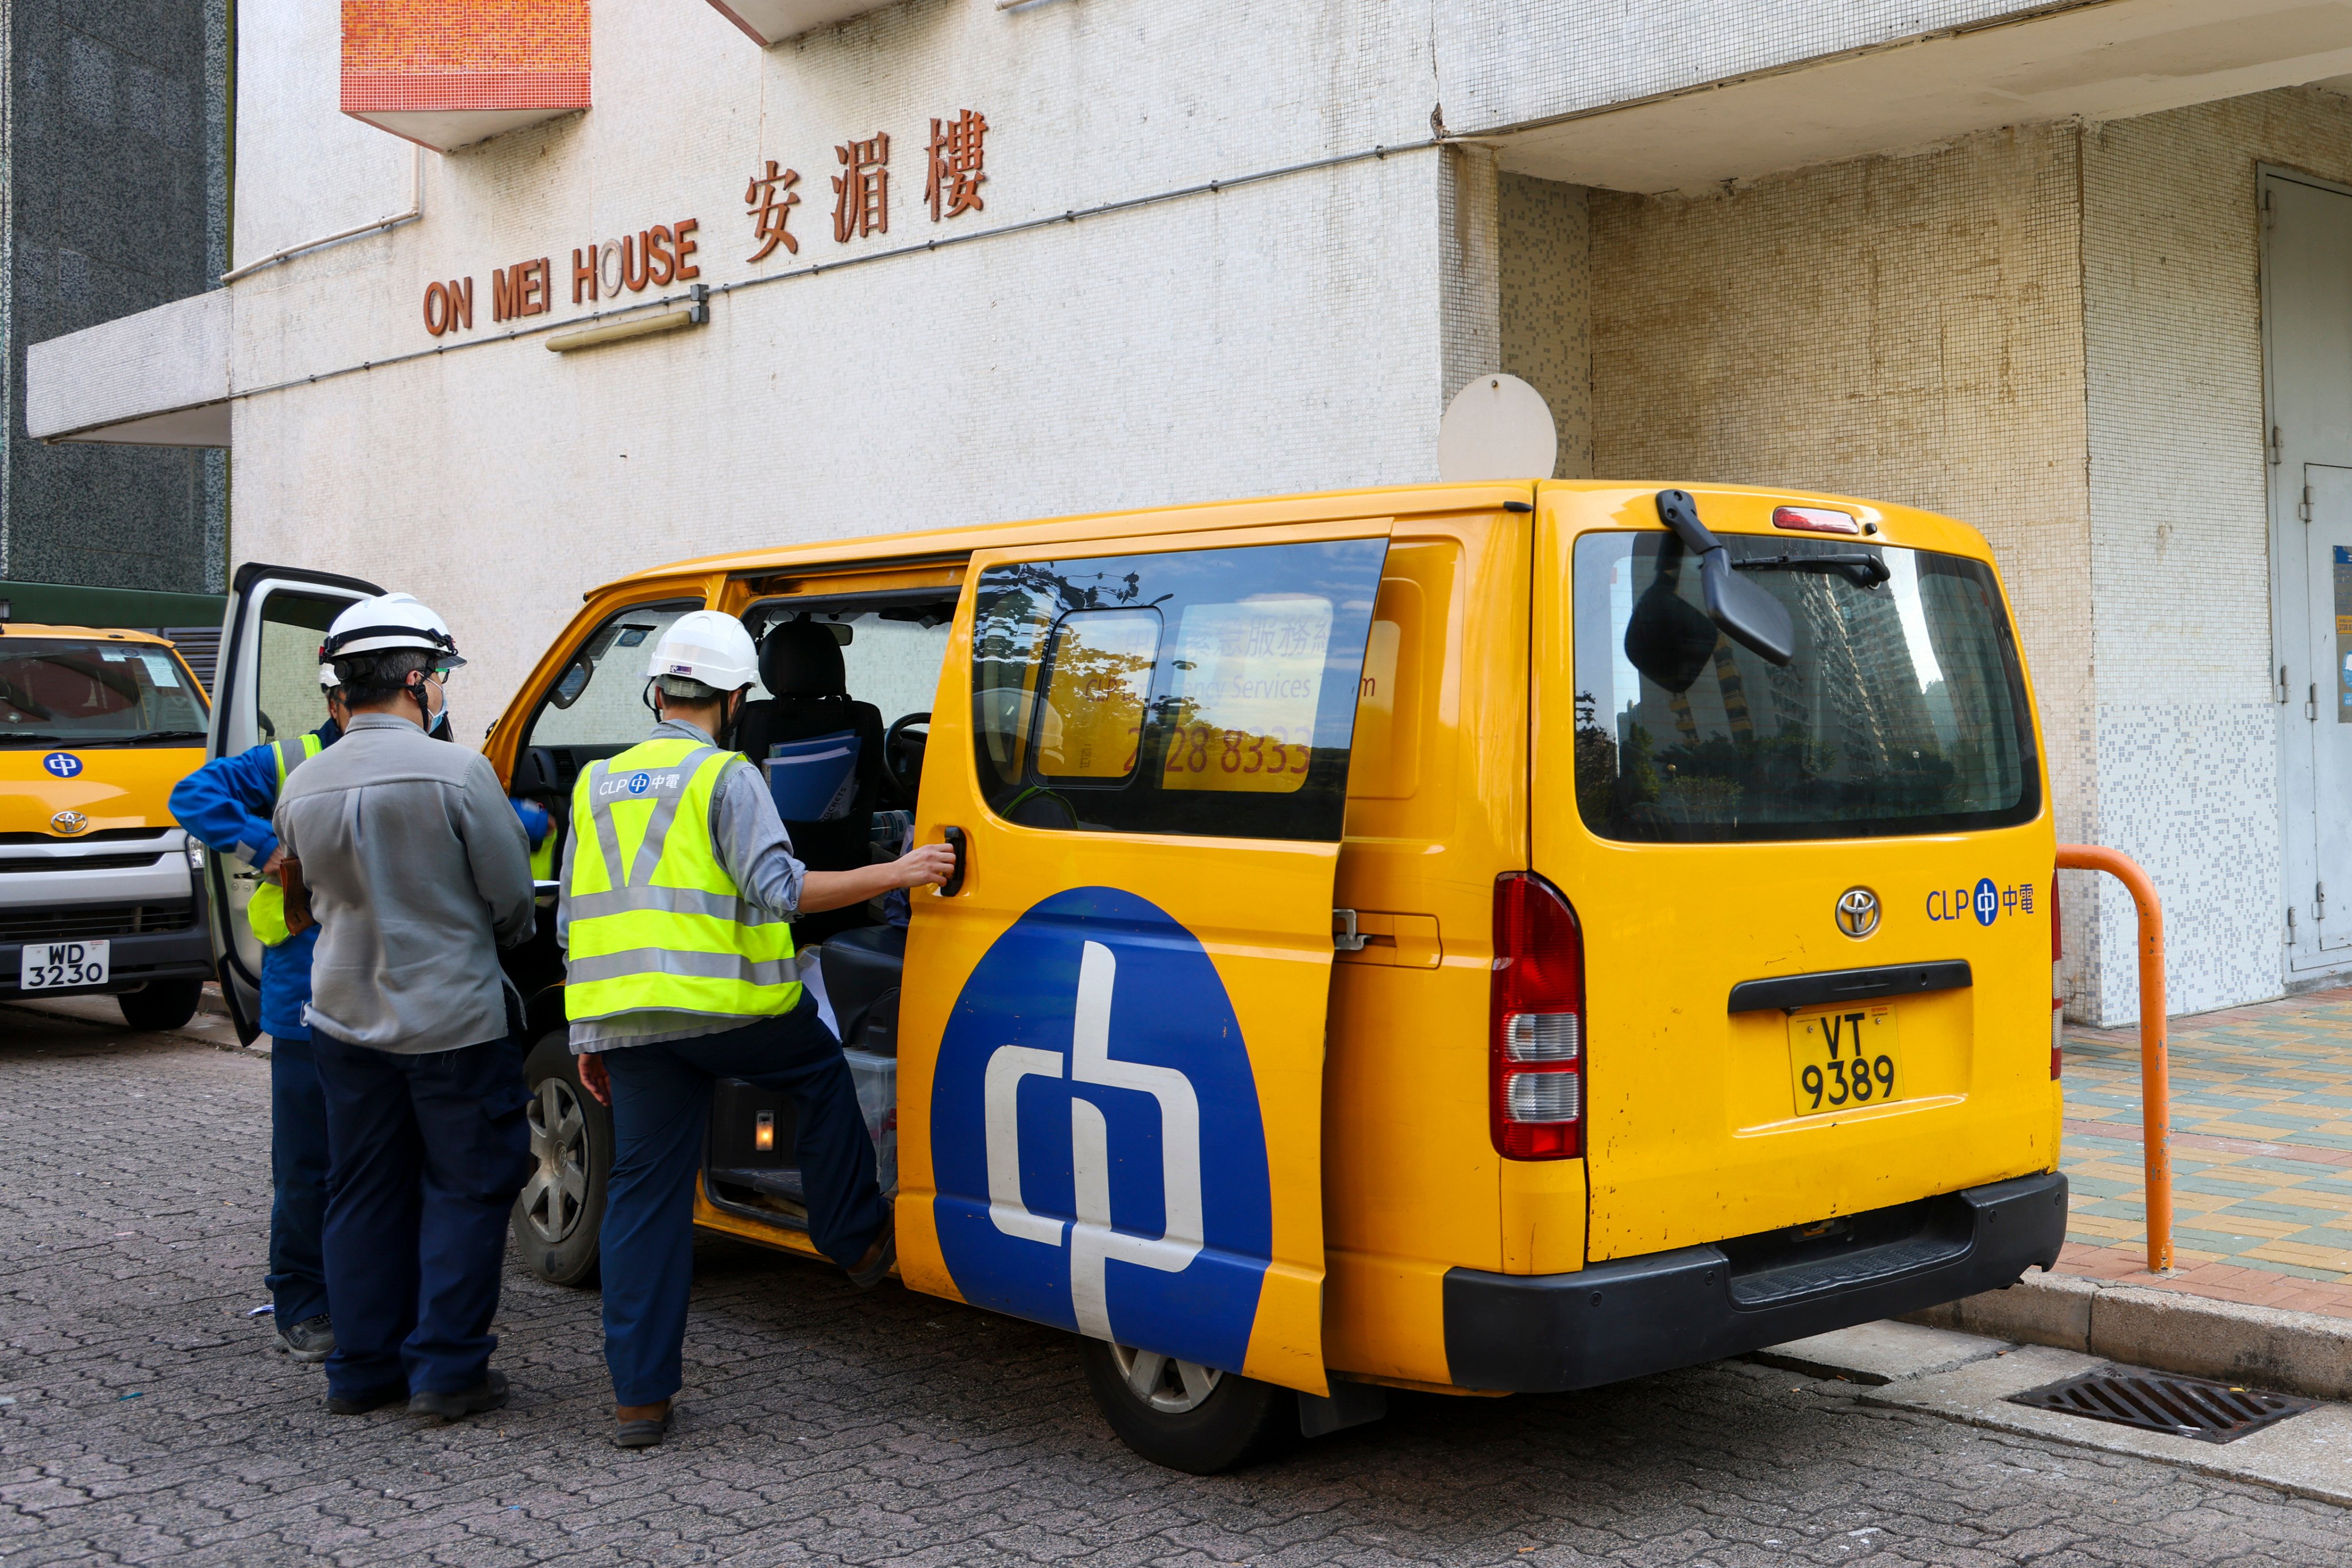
[{"x": 2184, "y": 1406}]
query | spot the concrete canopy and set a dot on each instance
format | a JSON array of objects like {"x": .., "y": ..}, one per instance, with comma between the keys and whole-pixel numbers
[{"x": 2100, "y": 61}]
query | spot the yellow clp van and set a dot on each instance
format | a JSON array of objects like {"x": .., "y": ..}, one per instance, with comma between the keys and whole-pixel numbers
[
  {"x": 1476, "y": 938},
  {"x": 98, "y": 885}
]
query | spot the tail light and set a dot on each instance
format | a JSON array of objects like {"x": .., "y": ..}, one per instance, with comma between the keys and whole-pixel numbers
[
  {"x": 1536, "y": 1023},
  {"x": 1815, "y": 519},
  {"x": 2057, "y": 1002}
]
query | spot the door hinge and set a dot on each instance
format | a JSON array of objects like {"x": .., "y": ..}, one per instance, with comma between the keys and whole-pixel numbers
[
  {"x": 2319, "y": 900},
  {"x": 2302, "y": 507},
  {"x": 2278, "y": 447},
  {"x": 1346, "y": 938},
  {"x": 2284, "y": 698},
  {"x": 2311, "y": 704},
  {"x": 2289, "y": 925}
]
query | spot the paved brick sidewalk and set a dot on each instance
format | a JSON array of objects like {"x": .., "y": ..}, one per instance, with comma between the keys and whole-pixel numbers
[
  {"x": 2261, "y": 1154},
  {"x": 822, "y": 1426}
]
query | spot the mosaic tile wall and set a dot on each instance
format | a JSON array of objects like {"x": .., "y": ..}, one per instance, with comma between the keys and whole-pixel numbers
[
  {"x": 1469, "y": 330},
  {"x": 1907, "y": 329},
  {"x": 1291, "y": 328},
  {"x": 1501, "y": 62},
  {"x": 1546, "y": 258},
  {"x": 2188, "y": 774}
]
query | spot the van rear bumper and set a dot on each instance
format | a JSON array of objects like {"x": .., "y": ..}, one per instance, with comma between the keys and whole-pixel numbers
[{"x": 1629, "y": 1317}]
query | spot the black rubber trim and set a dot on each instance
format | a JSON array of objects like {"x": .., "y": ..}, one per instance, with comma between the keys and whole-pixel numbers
[
  {"x": 1529, "y": 1334},
  {"x": 1851, "y": 984}
]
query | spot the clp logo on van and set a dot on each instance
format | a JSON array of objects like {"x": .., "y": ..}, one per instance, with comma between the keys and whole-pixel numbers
[
  {"x": 1985, "y": 901},
  {"x": 1095, "y": 1132},
  {"x": 61, "y": 764}
]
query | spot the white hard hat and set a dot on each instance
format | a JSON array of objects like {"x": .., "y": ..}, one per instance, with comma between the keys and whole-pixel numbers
[
  {"x": 391, "y": 621},
  {"x": 708, "y": 646}
]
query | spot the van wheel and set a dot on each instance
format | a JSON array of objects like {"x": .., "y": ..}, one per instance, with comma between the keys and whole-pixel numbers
[
  {"x": 1188, "y": 1416},
  {"x": 560, "y": 1208},
  {"x": 161, "y": 1003}
]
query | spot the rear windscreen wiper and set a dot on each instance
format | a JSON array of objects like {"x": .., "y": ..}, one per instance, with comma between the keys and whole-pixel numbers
[
  {"x": 26, "y": 738},
  {"x": 1857, "y": 566},
  {"x": 143, "y": 736}
]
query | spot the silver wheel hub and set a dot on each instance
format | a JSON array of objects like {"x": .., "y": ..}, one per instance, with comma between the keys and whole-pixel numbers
[
  {"x": 557, "y": 1193},
  {"x": 1168, "y": 1386}
]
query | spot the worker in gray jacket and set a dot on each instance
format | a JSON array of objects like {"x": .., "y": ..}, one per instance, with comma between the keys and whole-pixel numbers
[{"x": 417, "y": 872}]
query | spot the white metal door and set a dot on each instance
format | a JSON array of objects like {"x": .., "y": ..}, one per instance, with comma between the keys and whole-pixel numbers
[
  {"x": 2307, "y": 366},
  {"x": 2328, "y": 696}
]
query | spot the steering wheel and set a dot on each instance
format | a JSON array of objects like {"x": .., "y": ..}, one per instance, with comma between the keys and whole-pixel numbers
[{"x": 902, "y": 753}]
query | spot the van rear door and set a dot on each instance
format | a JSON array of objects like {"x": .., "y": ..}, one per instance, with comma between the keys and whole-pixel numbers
[
  {"x": 1814, "y": 898},
  {"x": 1111, "y": 1041},
  {"x": 267, "y": 690}
]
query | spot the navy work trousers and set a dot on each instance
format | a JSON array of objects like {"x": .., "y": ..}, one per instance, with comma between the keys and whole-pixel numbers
[
  {"x": 661, "y": 1104},
  {"x": 427, "y": 1152},
  {"x": 297, "y": 1181}
]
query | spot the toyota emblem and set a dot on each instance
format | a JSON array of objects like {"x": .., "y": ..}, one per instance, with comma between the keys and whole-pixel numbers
[
  {"x": 70, "y": 822},
  {"x": 1857, "y": 912}
]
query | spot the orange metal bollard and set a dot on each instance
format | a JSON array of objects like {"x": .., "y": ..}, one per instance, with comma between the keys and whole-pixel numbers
[{"x": 2155, "y": 1074}]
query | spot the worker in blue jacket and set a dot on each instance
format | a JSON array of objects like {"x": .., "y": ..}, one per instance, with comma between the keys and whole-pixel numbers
[{"x": 228, "y": 803}]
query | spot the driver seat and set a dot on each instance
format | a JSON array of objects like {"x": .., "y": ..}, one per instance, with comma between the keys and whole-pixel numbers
[{"x": 800, "y": 664}]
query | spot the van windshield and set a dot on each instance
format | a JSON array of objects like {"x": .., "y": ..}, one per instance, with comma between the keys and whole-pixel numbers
[
  {"x": 1903, "y": 711},
  {"x": 55, "y": 691}
]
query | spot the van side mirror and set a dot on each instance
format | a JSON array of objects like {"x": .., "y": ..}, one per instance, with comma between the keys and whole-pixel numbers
[{"x": 1748, "y": 615}]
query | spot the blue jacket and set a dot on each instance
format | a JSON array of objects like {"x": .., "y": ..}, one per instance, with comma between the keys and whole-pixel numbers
[{"x": 227, "y": 803}]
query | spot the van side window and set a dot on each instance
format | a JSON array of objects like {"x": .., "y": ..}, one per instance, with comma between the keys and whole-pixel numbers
[{"x": 1208, "y": 692}]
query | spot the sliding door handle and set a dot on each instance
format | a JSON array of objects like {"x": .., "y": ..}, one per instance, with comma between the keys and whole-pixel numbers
[{"x": 958, "y": 840}]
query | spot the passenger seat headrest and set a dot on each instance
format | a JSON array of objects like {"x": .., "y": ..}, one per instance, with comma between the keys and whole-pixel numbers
[{"x": 800, "y": 658}]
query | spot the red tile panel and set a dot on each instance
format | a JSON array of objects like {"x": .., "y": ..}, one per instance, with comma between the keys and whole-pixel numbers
[{"x": 407, "y": 56}]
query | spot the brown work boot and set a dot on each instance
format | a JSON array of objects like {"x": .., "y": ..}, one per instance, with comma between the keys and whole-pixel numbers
[
  {"x": 643, "y": 1425},
  {"x": 871, "y": 1269}
]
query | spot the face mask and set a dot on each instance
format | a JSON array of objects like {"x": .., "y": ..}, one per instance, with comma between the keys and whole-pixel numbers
[{"x": 436, "y": 721}]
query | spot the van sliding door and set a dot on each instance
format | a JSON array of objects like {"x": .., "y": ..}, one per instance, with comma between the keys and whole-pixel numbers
[{"x": 1111, "y": 1047}]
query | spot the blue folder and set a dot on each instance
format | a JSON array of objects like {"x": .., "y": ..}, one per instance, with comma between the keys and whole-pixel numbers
[{"x": 813, "y": 781}]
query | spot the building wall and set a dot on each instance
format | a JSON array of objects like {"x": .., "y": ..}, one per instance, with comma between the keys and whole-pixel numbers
[
  {"x": 1506, "y": 62},
  {"x": 1545, "y": 298},
  {"x": 1282, "y": 335},
  {"x": 2186, "y": 723},
  {"x": 1906, "y": 329},
  {"x": 117, "y": 178}
]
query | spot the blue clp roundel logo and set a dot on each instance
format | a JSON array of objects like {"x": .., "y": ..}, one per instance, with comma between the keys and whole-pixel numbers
[
  {"x": 1987, "y": 901},
  {"x": 638, "y": 783},
  {"x": 1094, "y": 1133},
  {"x": 61, "y": 764}
]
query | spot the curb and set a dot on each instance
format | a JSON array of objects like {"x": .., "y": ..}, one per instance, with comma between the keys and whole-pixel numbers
[{"x": 2170, "y": 1330}]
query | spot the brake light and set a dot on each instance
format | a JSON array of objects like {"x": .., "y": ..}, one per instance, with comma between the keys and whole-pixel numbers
[
  {"x": 1536, "y": 1023},
  {"x": 1814, "y": 520},
  {"x": 2057, "y": 1002}
]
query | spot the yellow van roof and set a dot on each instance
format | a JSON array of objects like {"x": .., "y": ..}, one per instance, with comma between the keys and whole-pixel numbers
[
  {"x": 1190, "y": 517},
  {"x": 94, "y": 633}
]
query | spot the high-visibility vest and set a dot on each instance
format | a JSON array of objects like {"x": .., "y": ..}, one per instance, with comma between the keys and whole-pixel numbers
[
  {"x": 266, "y": 913},
  {"x": 655, "y": 921}
]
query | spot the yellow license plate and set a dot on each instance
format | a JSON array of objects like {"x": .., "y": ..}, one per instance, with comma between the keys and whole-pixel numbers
[{"x": 1844, "y": 1057}]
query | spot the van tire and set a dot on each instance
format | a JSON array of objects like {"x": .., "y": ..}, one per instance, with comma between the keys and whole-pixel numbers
[
  {"x": 161, "y": 1003},
  {"x": 560, "y": 1208},
  {"x": 1241, "y": 1421}
]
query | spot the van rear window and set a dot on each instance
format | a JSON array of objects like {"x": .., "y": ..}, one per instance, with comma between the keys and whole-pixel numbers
[{"x": 1903, "y": 712}]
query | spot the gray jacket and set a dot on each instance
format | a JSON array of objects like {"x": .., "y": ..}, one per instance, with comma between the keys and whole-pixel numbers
[{"x": 419, "y": 872}]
